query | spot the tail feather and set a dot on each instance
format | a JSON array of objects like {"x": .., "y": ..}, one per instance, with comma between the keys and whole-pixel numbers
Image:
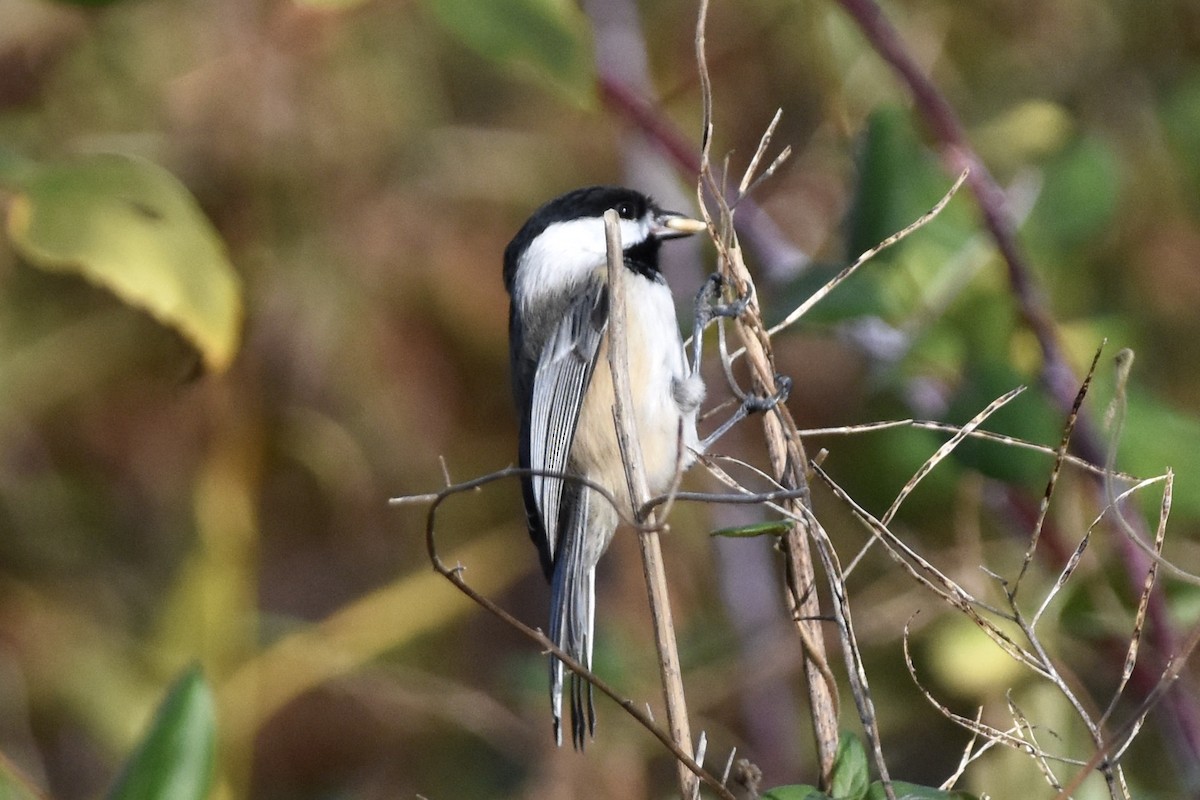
[{"x": 572, "y": 624}]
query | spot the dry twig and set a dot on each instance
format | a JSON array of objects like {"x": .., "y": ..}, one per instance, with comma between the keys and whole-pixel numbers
[
  {"x": 784, "y": 447},
  {"x": 639, "y": 493},
  {"x": 454, "y": 575},
  {"x": 1056, "y": 374}
]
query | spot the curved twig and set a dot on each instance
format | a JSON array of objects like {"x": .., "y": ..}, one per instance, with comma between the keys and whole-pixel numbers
[
  {"x": 1056, "y": 374},
  {"x": 454, "y": 575}
]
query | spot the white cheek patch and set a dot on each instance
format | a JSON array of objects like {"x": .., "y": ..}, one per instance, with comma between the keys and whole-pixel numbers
[
  {"x": 634, "y": 231},
  {"x": 566, "y": 253}
]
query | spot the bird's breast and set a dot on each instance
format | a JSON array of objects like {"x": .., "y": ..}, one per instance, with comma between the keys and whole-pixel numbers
[{"x": 657, "y": 364}]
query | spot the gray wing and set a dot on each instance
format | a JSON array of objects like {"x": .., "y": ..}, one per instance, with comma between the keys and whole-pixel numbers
[{"x": 560, "y": 380}]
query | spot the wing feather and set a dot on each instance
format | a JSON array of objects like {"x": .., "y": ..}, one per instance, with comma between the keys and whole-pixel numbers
[{"x": 560, "y": 380}]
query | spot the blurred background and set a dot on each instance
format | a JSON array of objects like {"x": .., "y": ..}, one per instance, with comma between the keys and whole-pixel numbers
[{"x": 364, "y": 163}]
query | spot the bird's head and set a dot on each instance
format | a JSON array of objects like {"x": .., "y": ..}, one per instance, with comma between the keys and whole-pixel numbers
[{"x": 564, "y": 240}]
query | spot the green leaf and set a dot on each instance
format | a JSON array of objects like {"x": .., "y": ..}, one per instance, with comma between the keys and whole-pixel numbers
[
  {"x": 129, "y": 226},
  {"x": 776, "y": 527},
  {"x": 1080, "y": 194},
  {"x": 851, "y": 773},
  {"x": 175, "y": 759},
  {"x": 912, "y": 791},
  {"x": 798, "y": 791},
  {"x": 548, "y": 37},
  {"x": 899, "y": 179},
  {"x": 1155, "y": 437}
]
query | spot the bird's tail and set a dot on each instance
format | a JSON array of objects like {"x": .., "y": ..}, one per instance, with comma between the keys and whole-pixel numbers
[{"x": 572, "y": 623}]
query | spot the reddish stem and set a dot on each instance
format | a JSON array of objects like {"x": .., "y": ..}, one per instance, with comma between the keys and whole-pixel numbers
[{"x": 1056, "y": 374}]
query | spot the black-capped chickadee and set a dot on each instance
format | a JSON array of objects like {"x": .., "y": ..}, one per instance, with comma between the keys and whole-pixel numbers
[{"x": 556, "y": 275}]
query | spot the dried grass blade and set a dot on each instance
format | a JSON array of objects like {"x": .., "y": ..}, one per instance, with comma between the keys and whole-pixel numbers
[
  {"x": 1135, "y": 637},
  {"x": 1059, "y": 456},
  {"x": 1035, "y": 749},
  {"x": 947, "y": 448},
  {"x": 900, "y": 235},
  {"x": 933, "y": 579},
  {"x": 1065, "y": 575},
  {"x": 774, "y": 166},
  {"x": 763, "y": 143}
]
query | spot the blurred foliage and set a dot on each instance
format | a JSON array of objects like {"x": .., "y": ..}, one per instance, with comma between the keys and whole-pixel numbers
[
  {"x": 175, "y": 758},
  {"x": 130, "y": 227},
  {"x": 266, "y": 296},
  {"x": 851, "y": 781},
  {"x": 548, "y": 37},
  {"x": 851, "y": 770}
]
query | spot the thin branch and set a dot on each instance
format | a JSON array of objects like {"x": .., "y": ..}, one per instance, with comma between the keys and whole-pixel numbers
[
  {"x": 933, "y": 579},
  {"x": 938, "y": 456},
  {"x": 1059, "y": 457},
  {"x": 784, "y": 446},
  {"x": 991, "y": 436},
  {"x": 1056, "y": 374},
  {"x": 1106, "y": 766},
  {"x": 1011, "y": 441},
  {"x": 1125, "y": 735},
  {"x": 454, "y": 575},
  {"x": 635, "y": 473},
  {"x": 895, "y": 238}
]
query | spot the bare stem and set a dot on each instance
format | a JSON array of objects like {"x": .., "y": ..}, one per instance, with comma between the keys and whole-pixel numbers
[
  {"x": 454, "y": 574},
  {"x": 1056, "y": 374},
  {"x": 784, "y": 447},
  {"x": 639, "y": 493}
]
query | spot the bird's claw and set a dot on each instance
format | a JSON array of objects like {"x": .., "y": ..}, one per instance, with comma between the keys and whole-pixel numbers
[
  {"x": 783, "y": 388},
  {"x": 750, "y": 405},
  {"x": 709, "y": 305}
]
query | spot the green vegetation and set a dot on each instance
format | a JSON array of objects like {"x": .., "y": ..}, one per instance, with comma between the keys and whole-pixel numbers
[{"x": 250, "y": 289}]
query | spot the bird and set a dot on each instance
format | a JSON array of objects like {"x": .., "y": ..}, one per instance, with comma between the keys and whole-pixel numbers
[{"x": 555, "y": 272}]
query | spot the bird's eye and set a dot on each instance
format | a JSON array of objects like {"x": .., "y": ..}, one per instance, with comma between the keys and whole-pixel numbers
[{"x": 626, "y": 210}]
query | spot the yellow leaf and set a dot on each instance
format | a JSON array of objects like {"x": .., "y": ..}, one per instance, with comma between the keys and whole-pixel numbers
[{"x": 131, "y": 227}]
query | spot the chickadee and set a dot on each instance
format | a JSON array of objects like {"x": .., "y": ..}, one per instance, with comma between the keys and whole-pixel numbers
[{"x": 555, "y": 271}]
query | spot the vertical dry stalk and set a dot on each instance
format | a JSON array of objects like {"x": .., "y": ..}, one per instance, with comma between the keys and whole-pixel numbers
[
  {"x": 454, "y": 574},
  {"x": 639, "y": 493},
  {"x": 788, "y": 460}
]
